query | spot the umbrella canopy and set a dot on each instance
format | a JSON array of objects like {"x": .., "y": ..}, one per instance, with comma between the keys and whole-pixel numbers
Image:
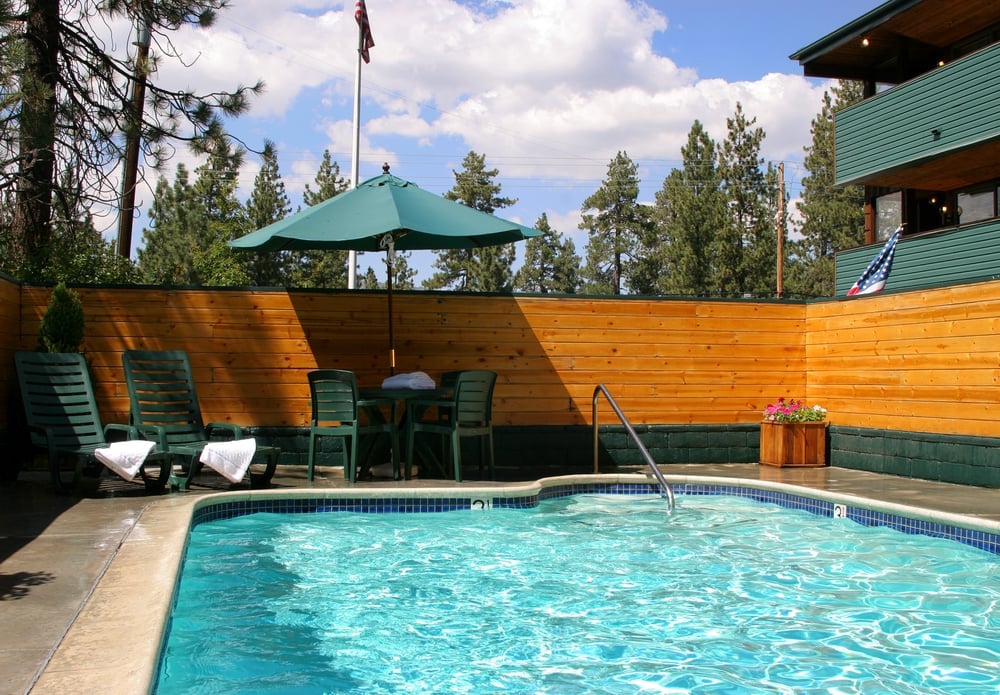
[
  {"x": 386, "y": 212},
  {"x": 359, "y": 219}
]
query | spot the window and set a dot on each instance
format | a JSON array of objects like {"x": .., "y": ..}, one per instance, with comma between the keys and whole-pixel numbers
[
  {"x": 977, "y": 205},
  {"x": 888, "y": 214},
  {"x": 932, "y": 210}
]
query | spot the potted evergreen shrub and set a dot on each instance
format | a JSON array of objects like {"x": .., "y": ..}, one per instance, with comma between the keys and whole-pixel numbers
[
  {"x": 62, "y": 324},
  {"x": 61, "y": 331}
]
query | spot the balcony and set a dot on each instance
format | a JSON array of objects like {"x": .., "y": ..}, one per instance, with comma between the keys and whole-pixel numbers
[
  {"x": 940, "y": 131},
  {"x": 970, "y": 253}
]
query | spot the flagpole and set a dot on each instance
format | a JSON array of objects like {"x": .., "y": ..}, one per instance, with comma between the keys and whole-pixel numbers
[{"x": 352, "y": 256}]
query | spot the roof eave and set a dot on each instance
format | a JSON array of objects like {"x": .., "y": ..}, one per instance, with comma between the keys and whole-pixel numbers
[{"x": 850, "y": 31}]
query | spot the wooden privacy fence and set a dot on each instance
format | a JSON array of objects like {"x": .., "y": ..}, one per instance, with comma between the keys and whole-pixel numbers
[{"x": 919, "y": 361}]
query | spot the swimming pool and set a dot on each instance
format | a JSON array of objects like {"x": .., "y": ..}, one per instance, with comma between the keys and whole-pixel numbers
[{"x": 726, "y": 594}]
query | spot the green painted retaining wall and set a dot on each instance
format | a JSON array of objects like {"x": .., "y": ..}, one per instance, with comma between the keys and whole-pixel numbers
[
  {"x": 528, "y": 453},
  {"x": 947, "y": 458}
]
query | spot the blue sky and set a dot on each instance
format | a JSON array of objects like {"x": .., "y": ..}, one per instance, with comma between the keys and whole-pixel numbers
[{"x": 548, "y": 90}]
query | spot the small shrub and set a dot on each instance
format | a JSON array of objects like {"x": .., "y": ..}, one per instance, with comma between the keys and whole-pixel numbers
[{"x": 62, "y": 324}]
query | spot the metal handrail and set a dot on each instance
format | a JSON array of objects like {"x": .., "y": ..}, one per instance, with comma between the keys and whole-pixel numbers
[{"x": 665, "y": 490}]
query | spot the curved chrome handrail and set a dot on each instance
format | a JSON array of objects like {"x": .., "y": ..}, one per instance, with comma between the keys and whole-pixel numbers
[{"x": 665, "y": 490}]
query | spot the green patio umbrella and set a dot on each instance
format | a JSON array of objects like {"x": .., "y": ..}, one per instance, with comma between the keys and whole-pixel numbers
[{"x": 386, "y": 213}]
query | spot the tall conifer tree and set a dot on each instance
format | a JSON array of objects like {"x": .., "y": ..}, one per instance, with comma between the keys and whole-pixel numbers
[
  {"x": 476, "y": 270},
  {"x": 550, "y": 263},
  {"x": 191, "y": 224},
  {"x": 72, "y": 79},
  {"x": 268, "y": 203},
  {"x": 692, "y": 209},
  {"x": 173, "y": 220},
  {"x": 833, "y": 217},
  {"x": 614, "y": 220},
  {"x": 745, "y": 250},
  {"x": 321, "y": 269}
]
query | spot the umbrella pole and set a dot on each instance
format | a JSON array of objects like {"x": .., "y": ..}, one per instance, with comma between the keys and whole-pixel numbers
[{"x": 392, "y": 341}]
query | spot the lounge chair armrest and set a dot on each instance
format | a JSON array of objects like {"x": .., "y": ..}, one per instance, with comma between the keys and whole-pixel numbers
[
  {"x": 42, "y": 432},
  {"x": 130, "y": 431},
  {"x": 155, "y": 433},
  {"x": 234, "y": 431}
]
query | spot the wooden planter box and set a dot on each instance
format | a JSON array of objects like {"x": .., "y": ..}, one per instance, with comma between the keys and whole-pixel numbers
[{"x": 793, "y": 443}]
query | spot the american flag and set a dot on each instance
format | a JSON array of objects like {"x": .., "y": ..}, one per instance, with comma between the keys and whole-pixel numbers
[
  {"x": 365, "y": 41},
  {"x": 874, "y": 277}
]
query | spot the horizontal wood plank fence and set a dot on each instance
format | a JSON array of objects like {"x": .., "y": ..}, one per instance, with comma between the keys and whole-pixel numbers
[{"x": 917, "y": 361}]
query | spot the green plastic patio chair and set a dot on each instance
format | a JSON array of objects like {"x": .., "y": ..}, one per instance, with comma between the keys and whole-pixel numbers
[
  {"x": 62, "y": 418},
  {"x": 164, "y": 408},
  {"x": 337, "y": 412},
  {"x": 468, "y": 412}
]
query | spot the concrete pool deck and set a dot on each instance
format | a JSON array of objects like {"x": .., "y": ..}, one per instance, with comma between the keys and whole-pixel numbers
[{"x": 79, "y": 574}]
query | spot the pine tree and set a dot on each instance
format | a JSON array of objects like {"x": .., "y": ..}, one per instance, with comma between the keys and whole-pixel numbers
[
  {"x": 402, "y": 278},
  {"x": 329, "y": 182},
  {"x": 214, "y": 262},
  {"x": 191, "y": 225},
  {"x": 215, "y": 190},
  {"x": 67, "y": 108},
  {"x": 476, "y": 270},
  {"x": 174, "y": 219},
  {"x": 615, "y": 226},
  {"x": 745, "y": 250},
  {"x": 691, "y": 207},
  {"x": 321, "y": 269},
  {"x": 78, "y": 252},
  {"x": 550, "y": 263},
  {"x": 267, "y": 204},
  {"x": 369, "y": 280},
  {"x": 81, "y": 255},
  {"x": 833, "y": 217}
]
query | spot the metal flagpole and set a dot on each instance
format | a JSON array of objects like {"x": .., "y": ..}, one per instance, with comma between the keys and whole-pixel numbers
[
  {"x": 781, "y": 229},
  {"x": 352, "y": 256}
]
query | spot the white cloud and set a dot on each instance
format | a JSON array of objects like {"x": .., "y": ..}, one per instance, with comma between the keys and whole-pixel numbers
[{"x": 549, "y": 90}]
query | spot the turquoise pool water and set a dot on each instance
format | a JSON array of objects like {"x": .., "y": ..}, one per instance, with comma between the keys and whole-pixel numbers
[{"x": 581, "y": 594}]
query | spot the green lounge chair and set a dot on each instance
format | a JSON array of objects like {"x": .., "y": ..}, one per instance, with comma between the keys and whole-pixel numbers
[
  {"x": 61, "y": 413},
  {"x": 336, "y": 412},
  {"x": 468, "y": 412},
  {"x": 164, "y": 408}
]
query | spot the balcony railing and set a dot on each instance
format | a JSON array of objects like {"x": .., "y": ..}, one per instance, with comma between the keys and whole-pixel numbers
[{"x": 947, "y": 111}]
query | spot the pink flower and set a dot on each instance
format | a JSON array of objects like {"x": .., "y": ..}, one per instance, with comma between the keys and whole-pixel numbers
[{"x": 793, "y": 410}]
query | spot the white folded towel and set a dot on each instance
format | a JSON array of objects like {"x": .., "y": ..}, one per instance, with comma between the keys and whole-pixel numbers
[
  {"x": 411, "y": 380},
  {"x": 125, "y": 458},
  {"x": 231, "y": 459}
]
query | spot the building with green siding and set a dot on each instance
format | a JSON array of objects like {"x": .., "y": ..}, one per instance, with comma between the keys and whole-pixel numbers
[{"x": 925, "y": 140}]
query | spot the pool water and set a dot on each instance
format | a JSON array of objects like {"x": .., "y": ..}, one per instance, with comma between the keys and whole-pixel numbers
[{"x": 581, "y": 594}]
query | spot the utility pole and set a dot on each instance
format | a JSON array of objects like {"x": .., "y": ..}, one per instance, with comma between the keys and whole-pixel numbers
[
  {"x": 133, "y": 135},
  {"x": 781, "y": 229}
]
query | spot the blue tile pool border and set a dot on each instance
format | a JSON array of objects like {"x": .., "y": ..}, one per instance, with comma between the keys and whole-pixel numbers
[{"x": 214, "y": 510}]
